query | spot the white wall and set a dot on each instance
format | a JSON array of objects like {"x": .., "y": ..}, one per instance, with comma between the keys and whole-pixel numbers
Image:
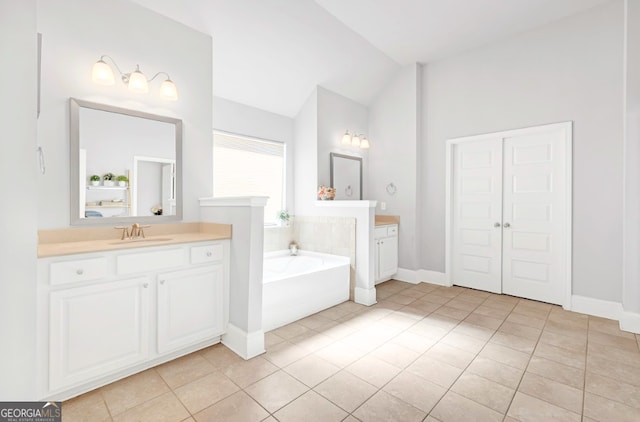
[
  {"x": 18, "y": 169},
  {"x": 336, "y": 114},
  {"x": 631, "y": 287},
  {"x": 305, "y": 161},
  {"x": 240, "y": 119},
  {"x": 568, "y": 70},
  {"x": 393, "y": 157},
  {"x": 75, "y": 34}
]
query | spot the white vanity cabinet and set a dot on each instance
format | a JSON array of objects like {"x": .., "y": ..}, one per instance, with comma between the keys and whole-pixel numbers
[
  {"x": 188, "y": 306},
  {"x": 98, "y": 329},
  {"x": 106, "y": 315},
  {"x": 386, "y": 252}
]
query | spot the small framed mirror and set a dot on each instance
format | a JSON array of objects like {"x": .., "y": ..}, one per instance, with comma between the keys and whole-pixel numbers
[
  {"x": 346, "y": 176},
  {"x": 125, "y": 165}
]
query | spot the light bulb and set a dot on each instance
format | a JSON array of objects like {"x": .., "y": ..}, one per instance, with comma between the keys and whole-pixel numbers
[
  {"x": 138, "y": 82},
  {"x": 102, "y": 74},
  {"x": 355, "y": 141},
  {"x": 346, "y": 138},
  {"x": 364, "y": 143},
  {"x": 168, "y": 90}
]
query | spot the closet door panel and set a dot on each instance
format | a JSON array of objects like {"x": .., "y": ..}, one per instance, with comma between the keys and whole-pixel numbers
[
  {"x": 477, "y": 209},
  {"x": 534, "y": 216}
]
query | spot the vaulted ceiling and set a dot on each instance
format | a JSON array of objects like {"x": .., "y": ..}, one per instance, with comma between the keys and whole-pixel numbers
[{"x": 270, "y": 54}]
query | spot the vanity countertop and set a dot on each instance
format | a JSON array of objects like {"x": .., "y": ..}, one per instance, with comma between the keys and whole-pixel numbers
[
  {"x": 96, "y": 239},
  {"x": 382, "y": 220}
]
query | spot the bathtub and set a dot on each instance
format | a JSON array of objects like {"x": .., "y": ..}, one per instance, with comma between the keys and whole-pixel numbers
[{"x": 297, "y": 286}]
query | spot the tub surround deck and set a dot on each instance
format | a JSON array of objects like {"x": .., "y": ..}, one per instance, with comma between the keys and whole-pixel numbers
[
  {"x": 94, "y": 239},
  {"x": 382, "y": 220}
]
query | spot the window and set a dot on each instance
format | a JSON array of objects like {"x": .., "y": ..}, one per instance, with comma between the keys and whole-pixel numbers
[{"x": 245, "y": 166}]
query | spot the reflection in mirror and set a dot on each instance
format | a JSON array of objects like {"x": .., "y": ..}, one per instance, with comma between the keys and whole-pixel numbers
[
  {"x": 346, "y": 176},
  {"x": 136, "y": 158},
  {"x": 147, "y": 196}
]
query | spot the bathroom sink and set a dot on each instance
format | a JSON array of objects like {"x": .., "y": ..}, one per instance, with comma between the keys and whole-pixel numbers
[{"x": 144, "y": 240}]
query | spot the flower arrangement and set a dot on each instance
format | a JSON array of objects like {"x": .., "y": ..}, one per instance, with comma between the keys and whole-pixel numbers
[{"x": 326, "y": 192}]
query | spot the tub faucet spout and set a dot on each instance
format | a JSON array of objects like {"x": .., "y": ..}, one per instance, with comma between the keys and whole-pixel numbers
[{"x": 293, "y": 249}]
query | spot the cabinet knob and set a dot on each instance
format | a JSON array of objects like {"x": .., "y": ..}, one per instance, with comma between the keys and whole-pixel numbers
[
  {"x": 507, "y": 225},
  {"x": 209, "y": 254},
  {"x": 162, "y": 281},
  {"x": 145, "y": 285},
  {"x": 496, "y": 224},
  {"x": 79, "y": 271}
]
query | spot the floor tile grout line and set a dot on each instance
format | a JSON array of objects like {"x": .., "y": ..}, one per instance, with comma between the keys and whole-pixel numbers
[{"x": 524, "y": 371}]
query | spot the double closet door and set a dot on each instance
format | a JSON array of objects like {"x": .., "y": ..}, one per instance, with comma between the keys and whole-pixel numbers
[{"x": 510, "y": 212}]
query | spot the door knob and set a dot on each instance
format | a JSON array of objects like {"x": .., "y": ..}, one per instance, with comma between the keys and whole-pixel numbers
[
  {"x": 497, "y": 224},
  {"x": 507, "y": 225}
]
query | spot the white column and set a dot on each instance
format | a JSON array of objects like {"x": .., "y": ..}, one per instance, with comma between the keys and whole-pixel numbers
[{"x": 244, "y": 335}]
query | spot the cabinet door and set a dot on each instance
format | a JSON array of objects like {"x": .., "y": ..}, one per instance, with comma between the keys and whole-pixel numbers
[
  {"x": 190, "y": 306},
  {"x": 97, "y": 330},
  {"x": 388, "y": 257}
]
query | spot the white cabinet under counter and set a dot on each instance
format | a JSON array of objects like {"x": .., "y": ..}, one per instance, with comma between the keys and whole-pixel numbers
[
  {"x": 386, "y": 252},
  {"x": 106, "y": 315}
]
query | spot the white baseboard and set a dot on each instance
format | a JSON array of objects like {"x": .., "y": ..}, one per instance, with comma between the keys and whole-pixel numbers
[
  {"x": 365, "y": 297},
  {"x": 433, "y": 277},
  {"x": 246, "y": 345},
  {"x": 630, "y": 321},
  {"x": 596, "y": 307},
  {"x": 419, "y": 276},
  {"x": 408, "y": 276}
]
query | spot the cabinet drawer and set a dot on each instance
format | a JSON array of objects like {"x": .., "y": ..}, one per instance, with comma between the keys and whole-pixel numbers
[
  {"x": 392, "y": 230},
  {"x": 207, "y": 253},
  {"x": 149, "y": 261},
  {"x": 77, "y": 270}
]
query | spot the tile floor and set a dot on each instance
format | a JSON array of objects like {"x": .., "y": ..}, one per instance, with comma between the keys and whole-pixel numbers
[{"x": 423, "y": 353}]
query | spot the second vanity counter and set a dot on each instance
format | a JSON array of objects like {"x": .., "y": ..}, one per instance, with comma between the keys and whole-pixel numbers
[
  {"x": 383, "y": 220},
  {"x": 96, "y": 239}
]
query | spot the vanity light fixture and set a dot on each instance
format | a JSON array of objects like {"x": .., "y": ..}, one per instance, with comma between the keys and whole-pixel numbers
[
  {"x": 346, "y": 138},
  {"x": 102, "y": 74},
  {"x": 355, "y": 140}
]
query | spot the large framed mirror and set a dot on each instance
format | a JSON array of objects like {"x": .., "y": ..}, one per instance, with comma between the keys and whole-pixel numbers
[
  {"x": 346, "y": 176},
  {"x": 137, "y": 159}
]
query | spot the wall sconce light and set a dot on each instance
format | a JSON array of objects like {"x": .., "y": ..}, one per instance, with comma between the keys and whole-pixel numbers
[
  {"x": 355, "y": 140},
  {"x": 136, "y": 81}
]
